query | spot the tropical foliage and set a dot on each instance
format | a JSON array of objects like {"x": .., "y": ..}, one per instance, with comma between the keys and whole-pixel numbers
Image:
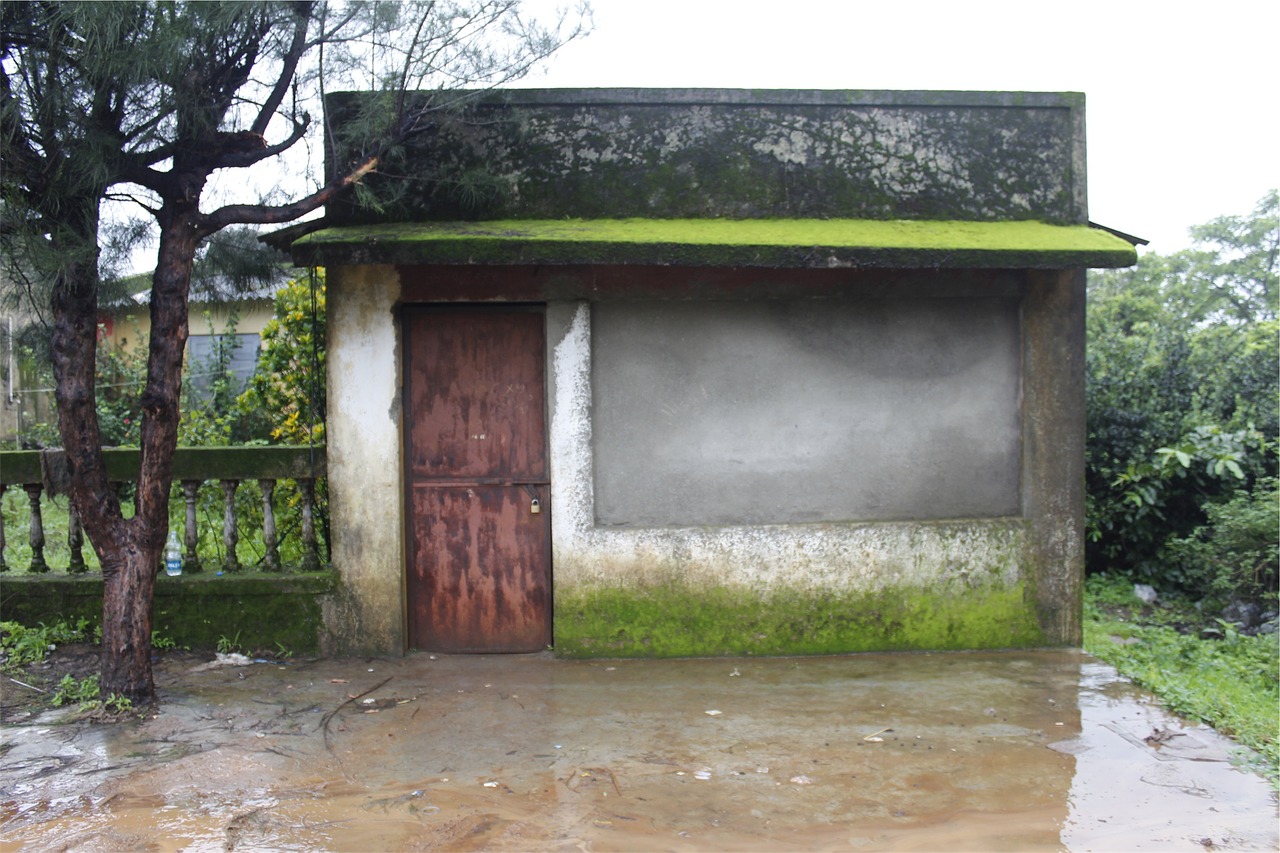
[
  {"x": 287, "y": 391},
  {"x": 1182, "y": 405}
]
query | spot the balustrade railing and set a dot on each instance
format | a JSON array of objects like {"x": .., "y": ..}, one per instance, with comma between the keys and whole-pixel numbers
[{"x": 43, "y": 474}]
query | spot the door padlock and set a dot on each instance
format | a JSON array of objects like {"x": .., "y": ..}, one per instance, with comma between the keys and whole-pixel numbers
[{"x": 535, "y": 506}]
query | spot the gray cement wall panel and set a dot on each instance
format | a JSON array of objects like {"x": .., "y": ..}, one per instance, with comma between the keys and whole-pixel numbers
[{"x": 722, "y": 413}]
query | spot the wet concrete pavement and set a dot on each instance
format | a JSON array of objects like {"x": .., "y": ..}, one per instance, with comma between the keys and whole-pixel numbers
[{"x": 1042, "y": 750}]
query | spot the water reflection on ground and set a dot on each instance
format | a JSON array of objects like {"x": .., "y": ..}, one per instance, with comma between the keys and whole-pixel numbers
[{"x": 1039, "y": 750}]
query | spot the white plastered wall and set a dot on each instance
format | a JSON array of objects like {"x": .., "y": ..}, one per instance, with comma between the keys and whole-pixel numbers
[{"x": 364, "y": 461}]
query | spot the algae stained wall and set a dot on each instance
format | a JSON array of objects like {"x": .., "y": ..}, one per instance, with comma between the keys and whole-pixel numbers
[
  {"x": 705, "y": 153},
  {"x": 708, "y": 556}
]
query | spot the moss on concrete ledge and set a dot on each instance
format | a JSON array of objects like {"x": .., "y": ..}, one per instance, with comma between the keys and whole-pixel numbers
[
  {"x": 773, "y": 243},
  {"x": 189, "y": 463},
  {"x": 677, "y": 620},
  {"x": 257, "y": 611}
]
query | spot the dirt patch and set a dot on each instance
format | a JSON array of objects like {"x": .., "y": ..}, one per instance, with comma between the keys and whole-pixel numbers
[{"x": 29, "y": 690}]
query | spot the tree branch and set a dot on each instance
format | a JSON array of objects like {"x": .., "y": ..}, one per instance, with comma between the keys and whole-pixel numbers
[
  {"x": 242, "y": 158},
  {"x": 262, "y": 214},
  {"x": 288, "y": 69},
  {"x": 21, "y": 155}
]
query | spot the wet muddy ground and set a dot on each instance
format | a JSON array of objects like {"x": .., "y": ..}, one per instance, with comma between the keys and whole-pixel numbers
[{"x": 977, "y": 751}]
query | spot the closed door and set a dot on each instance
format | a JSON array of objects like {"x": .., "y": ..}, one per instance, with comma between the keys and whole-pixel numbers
[{"x": 479, "y": 574}]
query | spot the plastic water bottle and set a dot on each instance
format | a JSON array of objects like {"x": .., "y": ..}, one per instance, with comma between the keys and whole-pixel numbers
[{"x": 172, "y": 555}]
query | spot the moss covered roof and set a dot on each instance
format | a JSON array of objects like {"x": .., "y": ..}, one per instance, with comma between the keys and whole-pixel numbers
[{"x": 775, "y": 243}]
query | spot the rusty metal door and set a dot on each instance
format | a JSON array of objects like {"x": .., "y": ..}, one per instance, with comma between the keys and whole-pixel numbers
[{"x": 479, "y": 568}]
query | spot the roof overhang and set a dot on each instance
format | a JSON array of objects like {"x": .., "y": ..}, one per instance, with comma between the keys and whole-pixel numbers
[{"x": 766, "y": 243}]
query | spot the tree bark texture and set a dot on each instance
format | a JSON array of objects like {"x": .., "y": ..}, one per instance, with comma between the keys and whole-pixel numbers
[{"x": 128, "y": 549}]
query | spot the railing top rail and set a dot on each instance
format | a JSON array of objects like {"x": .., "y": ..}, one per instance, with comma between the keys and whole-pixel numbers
[{"x": 18, "y": 467}]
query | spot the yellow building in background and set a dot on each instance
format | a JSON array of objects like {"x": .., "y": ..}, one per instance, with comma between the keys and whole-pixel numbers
[{"x": 26, "y": 393}]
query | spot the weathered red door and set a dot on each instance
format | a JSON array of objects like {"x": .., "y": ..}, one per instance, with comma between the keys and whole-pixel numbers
[{"x": 479, "y": 575}]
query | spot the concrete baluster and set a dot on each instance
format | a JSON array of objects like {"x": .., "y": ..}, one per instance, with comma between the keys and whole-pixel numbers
[
  {"x": 75, "y": 540},
  {"x": 271, "y": 562},
  {"x": 191, "y": 536},
  {"x": 310, "y": 553},
  {"x": 38, "y": 565},
  {"x": 230, "y": 531}
]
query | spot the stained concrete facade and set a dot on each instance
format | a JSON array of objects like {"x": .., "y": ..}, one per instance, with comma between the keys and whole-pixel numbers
[
  {"x": 706, "y": 153},
  {"x": 755, "y": 447}
]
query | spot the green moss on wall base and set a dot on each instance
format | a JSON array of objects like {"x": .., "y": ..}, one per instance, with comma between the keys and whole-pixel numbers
[
  {"x": 256, "y": 611},
  {"x": 678, "y": 620}
]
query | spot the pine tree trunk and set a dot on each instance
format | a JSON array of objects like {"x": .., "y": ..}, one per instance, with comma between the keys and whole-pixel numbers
[
  {"x": 127, "y": 598},
  {"x": 129, "y": 550},
  {"x": 127, "y": 592}
]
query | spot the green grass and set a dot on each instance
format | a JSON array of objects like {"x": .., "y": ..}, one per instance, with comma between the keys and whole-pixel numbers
[
  {"x": 1229, "y": 681},
  {"x": 16, "y": 513}
]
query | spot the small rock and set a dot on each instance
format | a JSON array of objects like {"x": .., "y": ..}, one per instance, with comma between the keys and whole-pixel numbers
[
  {"x": 1246, "y": 614},
  {"x": 1268, "y": 627},
  {"x": 1146, "y": 594}
]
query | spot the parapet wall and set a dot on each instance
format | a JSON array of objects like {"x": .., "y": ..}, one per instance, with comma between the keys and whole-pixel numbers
[{"x": 711, "y": 153}]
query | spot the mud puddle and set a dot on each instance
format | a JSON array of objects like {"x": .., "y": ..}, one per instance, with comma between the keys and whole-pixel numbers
[{"x": 975, "y": 751}]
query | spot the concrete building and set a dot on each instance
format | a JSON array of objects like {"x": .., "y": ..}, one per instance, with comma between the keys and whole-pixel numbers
[{"x": 698, "y": 372}]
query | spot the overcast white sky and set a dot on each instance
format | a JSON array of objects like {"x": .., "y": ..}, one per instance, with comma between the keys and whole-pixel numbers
[{"x": 1182, "y": 106}]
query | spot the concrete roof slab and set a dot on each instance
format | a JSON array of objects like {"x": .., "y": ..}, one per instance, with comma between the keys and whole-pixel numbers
[{"x": 766, "y": 243}]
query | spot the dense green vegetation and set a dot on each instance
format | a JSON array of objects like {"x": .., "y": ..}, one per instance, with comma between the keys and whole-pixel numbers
[
  {"x": 21, "y": 645},
  {"x": 1182, "y": 400},
  {"x": 1182, "y": 406}
]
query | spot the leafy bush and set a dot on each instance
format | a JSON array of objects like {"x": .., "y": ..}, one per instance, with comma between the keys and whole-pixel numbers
[
  {"x": 1183, "y": 405},
  {"x": 22, "y": 645},
  {"x": 69, "y": 690},
  {"x": 120, "y": 375},
  {"x": 87, "y": 693},
  {"x": 287, "y": 390},
  {"x": 1236, "y": 552},
  {"x": 1134, "y": 518}
]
